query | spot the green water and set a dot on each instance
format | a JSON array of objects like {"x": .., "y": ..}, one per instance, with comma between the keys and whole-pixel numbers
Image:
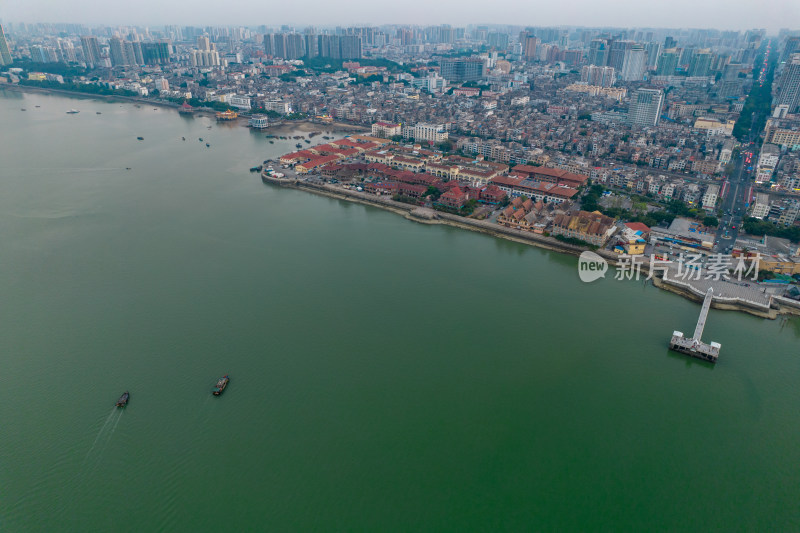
[{"x": 385, "y": 375}]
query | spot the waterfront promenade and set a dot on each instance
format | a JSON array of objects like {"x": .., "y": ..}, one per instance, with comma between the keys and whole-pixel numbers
[{"x": 750, "y": 297}]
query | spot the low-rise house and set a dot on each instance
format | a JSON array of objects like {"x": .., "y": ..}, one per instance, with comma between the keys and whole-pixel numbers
[
  {"x": 594, "y": 228},
  {"x": 548, "y": 192},
  {"x": 454, "y": 198},
  {"x": 411, "y": 190},
  {"x": 315, "y": 163}
]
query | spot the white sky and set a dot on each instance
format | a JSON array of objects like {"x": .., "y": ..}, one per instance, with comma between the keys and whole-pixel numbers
[{"x": 721, "y": 14}]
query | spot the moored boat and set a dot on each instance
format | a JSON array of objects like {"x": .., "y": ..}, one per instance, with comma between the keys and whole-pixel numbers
[
  {"x": 123, "y": 400},
  {"x": 221, "y": 384}
]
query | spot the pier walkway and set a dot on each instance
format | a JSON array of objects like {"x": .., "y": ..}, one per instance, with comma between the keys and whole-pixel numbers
[{"x": 694, "y": 346}]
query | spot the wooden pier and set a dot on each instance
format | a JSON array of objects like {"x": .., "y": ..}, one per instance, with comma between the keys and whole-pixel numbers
[{"x": 694, "y": 346}]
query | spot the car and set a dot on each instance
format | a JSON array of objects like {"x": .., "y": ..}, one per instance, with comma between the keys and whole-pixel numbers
[{"x": 733, "y": 227}]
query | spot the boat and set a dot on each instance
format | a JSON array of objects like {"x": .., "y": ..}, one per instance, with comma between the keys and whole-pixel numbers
[
  {"x": 208, "y": 145},
  {"x": 221, "y": 384},
  {"x": 73, "y": 112},
  {"x": 140, "y": 138},
  {"x": 38, "y": 106},
  {"x": 256, "y": 169},
  {"x": 272, "y": 142},
  {"x": 23, "y": 109},
  {"x": 98, "y": 113},
  {"x": 201, "y": 139},
  {"x": 183, "y": 138},
  {"x": 123, "y": 400},
  {"x": 298, "y": 145},
  {"x": 309, "y": 142}
]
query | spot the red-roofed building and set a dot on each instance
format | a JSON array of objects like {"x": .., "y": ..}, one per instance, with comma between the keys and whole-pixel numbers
[
  {"x": 347, "y": 143},
  {"x": 516, "y": 186},
  {"x": 297, "y": 157},
  {"x": 382, "y": 187},
  {"x": 491, "y": 194},
  {"x": 550, "y": 175},
  {"x": 454, "y": 198},
  {"x": 317, "y": 162},
  {"x": 639, "y": 227},
  {"x": 409, "y": 189}
]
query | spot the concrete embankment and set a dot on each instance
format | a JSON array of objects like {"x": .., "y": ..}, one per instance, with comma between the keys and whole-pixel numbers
[
  {"x": 76, "y": 94},
  {"x": 428, "y": 216},
  {"x": 777, "y": 306}
]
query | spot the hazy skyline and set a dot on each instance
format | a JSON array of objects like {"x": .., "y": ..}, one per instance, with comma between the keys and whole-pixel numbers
[{"x": 772, "y": 15}]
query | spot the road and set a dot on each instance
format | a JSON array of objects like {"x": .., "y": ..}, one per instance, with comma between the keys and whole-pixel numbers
[
  {"x": 735, "y": 201},
  {"x": 733, "y": 207}
]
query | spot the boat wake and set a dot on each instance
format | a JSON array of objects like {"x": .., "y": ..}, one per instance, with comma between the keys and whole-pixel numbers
[
  {"x": 101, "y": 441},
  {"x": 99, "y": 434}
]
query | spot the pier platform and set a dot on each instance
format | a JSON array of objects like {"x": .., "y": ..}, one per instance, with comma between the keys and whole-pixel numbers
[{"x": 694, "y": 346}]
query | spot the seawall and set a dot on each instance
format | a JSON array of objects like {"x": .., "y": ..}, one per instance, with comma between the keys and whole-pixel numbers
[{"x": 778, "y": 305}]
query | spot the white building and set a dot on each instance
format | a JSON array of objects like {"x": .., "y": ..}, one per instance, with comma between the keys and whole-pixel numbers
[
  {"x": 386, "y": 130},
  {"x": 760, "y": 205},
  {"x": 426, "y": 132},
  {"x": 634, "y": 63},
  {"x": 258, "y": 121},
  {"x": 240, "y": 102},
  {"x": 710, "y": 197},
  {"x": 767, "y": 161},
  {"x": 645, "y": 107},
  {"x": 204, "y": 58},
  {"x": 599, "y": 76}
]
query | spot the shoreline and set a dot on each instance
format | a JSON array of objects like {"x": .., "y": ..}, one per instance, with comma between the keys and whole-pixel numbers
[
  {"x": 779, "y": 306},
  {"x": 203, "y": 112}
]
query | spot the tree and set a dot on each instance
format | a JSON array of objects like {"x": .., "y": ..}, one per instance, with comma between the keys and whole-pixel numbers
[
  {"x": 710, "y": 221},
  {"x": 446, "y": 145}
]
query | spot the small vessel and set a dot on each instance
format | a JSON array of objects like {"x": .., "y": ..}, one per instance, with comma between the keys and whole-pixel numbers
[
  {"x": 73, "y": 112},
  {"x": 309, "y": 142},
  {"x": 272, "y": 142},
  {"x": 23, "y": 109},
  {"x": 98, "y": 113},
  {"x": 201, "y": 139},
  {"x": 38, "y": 106},
  {"x": 221, "y": 384},
  {"x": 298, "y": 145},
  {"x": 140, "y": 138},
  {"x": 123, "y": 400},
  {"x": 183, "y": 138},
  {"x": 208, "y": 145}
]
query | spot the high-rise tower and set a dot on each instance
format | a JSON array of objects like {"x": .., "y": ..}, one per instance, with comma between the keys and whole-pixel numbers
[{"x": 5, "y": 54}]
